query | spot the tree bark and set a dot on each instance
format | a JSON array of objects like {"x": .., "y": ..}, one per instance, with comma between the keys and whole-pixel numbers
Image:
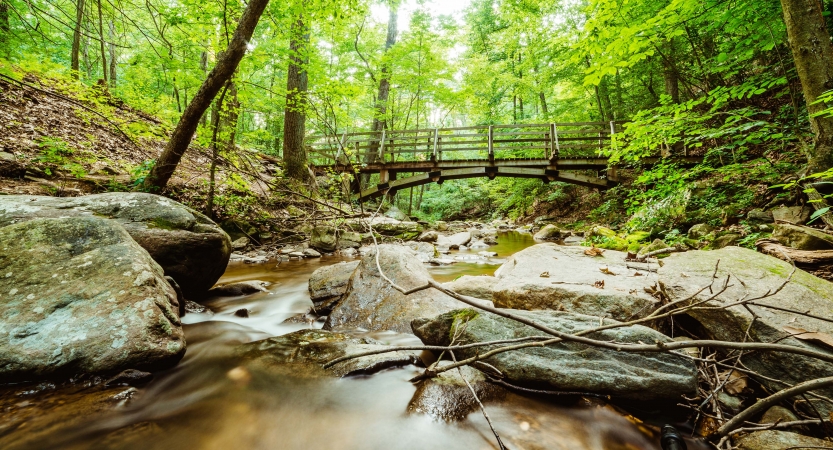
[
  {"x": 76, "y": 38},
  {"x": 381, "y": 107},
  {"x": 294, "y": 125},
  {"x": 101, "y": 44},
  {"x": 112, "y": 54},
  {"x": 232, "y": 116},
  {"x": 543, "y": 99},
  {"x": 813, "y": 55},
  {"x": 215, "y": 123},
  {"x": 219, "y": 75}
]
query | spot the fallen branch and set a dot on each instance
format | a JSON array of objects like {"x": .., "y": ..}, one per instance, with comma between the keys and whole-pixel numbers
[
  {"x": 764, "y": 403},
  {"x": 774, "y": 248}
]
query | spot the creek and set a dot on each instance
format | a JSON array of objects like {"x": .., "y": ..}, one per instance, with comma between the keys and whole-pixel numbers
[{"x": 206, "y": 402}]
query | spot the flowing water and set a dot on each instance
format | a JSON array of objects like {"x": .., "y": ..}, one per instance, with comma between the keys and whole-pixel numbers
[{"x": 207, "y": 402}]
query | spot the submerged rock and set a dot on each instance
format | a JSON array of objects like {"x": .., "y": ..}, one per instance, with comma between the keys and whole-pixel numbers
[
  {"x": 599, "y": 286},
  {"x": 447, "y": 397},
  {"x": 569, "y": 366},
  {"x": 302, "y": 353},
  {"x": 750, "y": 275},
  {"x": 371, "y": 303},
  {"x": 191, "y": 248},
  {"x": 328, "y": 284},
  {"x": 238, "y": 289},
  {"x": 78, "y": 295}
]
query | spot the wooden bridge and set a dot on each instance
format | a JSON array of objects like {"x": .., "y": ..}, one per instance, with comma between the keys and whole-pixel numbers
[{"x": 568, "y": 152}]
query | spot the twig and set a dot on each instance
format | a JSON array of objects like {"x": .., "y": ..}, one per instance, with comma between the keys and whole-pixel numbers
[{"x": 541, "y": 391}]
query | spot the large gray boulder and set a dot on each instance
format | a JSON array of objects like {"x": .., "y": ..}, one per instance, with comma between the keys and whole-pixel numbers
[
  {"x": 796, "y": 215},
  {"x": 79, "y": 295},
  {"x": 474, "y": 286},
  {"x": 455, "y": 240},
  {"x": 303, "y": 353},
  {"x": 751, "y": 275},
  {"x": 328, "y": 284},
  {"x": 191, "y": 248},
  {"x": 548, "y": 233},
  {"x": 371, "y": 303},
  {"x": 568, "y": 366},
  {"x": 563, "y": 278}
]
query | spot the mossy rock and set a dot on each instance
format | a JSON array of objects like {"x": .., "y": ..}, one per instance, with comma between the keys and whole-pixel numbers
[
  {"x": 658, "y": 244},
  {"x": 602, "y": 231},
  {"x": 614, "y": 243},
  {"x": 638, "y": 237}
]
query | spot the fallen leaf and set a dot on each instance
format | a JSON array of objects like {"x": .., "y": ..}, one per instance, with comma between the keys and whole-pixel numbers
[
  {"x": 637, "y": 274},
  {"x": 737, "y": 383},
  {"x": 599, "y": 284},
  {"x": 606, "y": 271},
  {"x": 593, "y": 251},
  {"x": 545, "y": 275},
  {"x": 814, "y": 336}
]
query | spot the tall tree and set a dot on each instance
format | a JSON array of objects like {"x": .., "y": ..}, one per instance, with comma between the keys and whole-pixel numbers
[
  {"x": 813, "y": 54},
  {"x": 76, "y": 37},
  {"x": 294, "y": 125},
  {"x": 381, "y": 107},
  {"x": 226, "y": 65},
  {"x": 5, "y": 28},
  {"x": 101, "y": 42}
]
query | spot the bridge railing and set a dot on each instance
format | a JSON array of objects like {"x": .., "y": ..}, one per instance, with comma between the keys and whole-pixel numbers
[{"x": 485, "y": 142}]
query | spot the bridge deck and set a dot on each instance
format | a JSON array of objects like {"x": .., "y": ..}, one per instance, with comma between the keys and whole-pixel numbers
[{"x": 551, "y": 152}]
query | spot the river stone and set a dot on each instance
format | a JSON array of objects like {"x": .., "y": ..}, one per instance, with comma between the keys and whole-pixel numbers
[
  {"x": 395, "y": 214},
  {"x": 455, "y": 240},
  {"x": 752, "y": 274},
  {"x": 78, "y": 295},
  {"x": 191, "y": 248},
  {"x": 238, "y": 289},
  {"x": 699, "y": 231},
  {"x": 802, "y": 238},
  {"x": 548, "y": 233},
  {"x": 772, "y": 439},
  {"x": 328, "y": 284},
  {"x": 446, "y": 397},
  {"x": 569, "y": 366},
  {"x": 324, "y": 238},
  {"x": 441, "y": 226},
  {"x": 474, "y": 286},
  {"x": 428, "y": 236},
  {"x": 759, "y": 216},
  {"x": 796, "y": 215},
  {"x": 371, "y": 303},
  {"x": 569, "y": 283},
  {"x": 727, "y": 240},
  {"x": 302, "y": 353}
]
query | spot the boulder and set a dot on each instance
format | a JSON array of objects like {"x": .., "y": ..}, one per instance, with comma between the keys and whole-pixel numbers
[
  {"x": 727, "y": 240},
  {"x": 240, "y": 243},
  {"x": 448, "y": 398},
  {"x": 424, "y": 250},
  {"x": 79, "y": 295},
  {"x": 455, "y": 240},
  {"x": 759, "y": 216},
  {"x": 441, "y": 226},
  {"x": 191, "y": 248},
  {"x": 324, "y": 238},
  {"x": 328, "y": 284},
  {"x": 562, "y": 278},
  {"x": 699, "y": 231},
  {"x": 310, "y": 253},
  {"x": 796, "y": 215},
  {"x": 658, "y": 244},
  {"x": 349, "y": 239},
  {"x": 371, "y": 303},
  {"x": 238, "y": 289},
  {"x": 405, "y": 231},
  {"x": 428, "y": 236},
  {"x": 548, "y": 233},
  {"x": 802, "y": 238},
  {"x": 302, "y": 354},
  {"x": 568, "y": 366},
  {"x": 772, "y": 439},
  {"x": 752, "y": 274},
  {"x": 395, "y": 214},
  {"x": 474, "y": 286}
]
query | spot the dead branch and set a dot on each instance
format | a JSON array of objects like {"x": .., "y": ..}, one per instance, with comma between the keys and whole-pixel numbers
[{"x": 774, "y": 248}]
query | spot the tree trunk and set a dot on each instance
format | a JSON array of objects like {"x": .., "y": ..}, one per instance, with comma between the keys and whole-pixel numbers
[
  {"x": 381, "y": 108},
  {"x": 215, "y": 123},
  {"x": 294, "y": 124},
  {"x": 76, "y": 37},
  {"x": 232, "y": 116},
  {"x": 112, "y": 54},
  {"x": 101, "y": 45},
  {"x": 669, "y": 74},
  {"x": 543, "y": 99},
  {"x": 187, "y": 125},
  {"x": 5, "y": 28},
  {"x": 813, "y": 54}
]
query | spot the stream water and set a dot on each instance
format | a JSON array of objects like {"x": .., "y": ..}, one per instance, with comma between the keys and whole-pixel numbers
[{"x": 205, "y": 403}]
